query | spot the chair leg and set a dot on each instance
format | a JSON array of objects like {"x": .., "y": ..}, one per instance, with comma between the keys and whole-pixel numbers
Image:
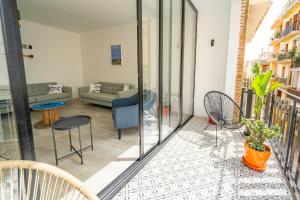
[
  {"x": 119, "y": 133},
  {"x": 242, "y": 134},
  {"x": 206, "y": 126},
  {"x": 216, "y": 135}
]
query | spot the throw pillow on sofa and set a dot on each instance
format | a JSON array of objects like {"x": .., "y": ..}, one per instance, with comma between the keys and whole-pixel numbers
[
  {"x": 126, "y": 87},
  {"x": 95, "y": 88},
  {"x": 55, "y": 89}
]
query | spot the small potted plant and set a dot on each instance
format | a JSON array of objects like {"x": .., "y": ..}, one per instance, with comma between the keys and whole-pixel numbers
[
  {"x": 166, "y": 106},
  {"x": 256, "y": 152}
]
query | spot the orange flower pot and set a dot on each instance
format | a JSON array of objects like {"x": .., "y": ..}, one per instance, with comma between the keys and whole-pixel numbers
[
  {"x": 166, "y": 110},
  {"x": 254, "y": 159}
]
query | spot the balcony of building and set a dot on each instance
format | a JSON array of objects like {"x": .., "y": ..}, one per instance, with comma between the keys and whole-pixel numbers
[
  {"x": 283, "y": 57},
  {"x": 277, "y": 23},
  {"x": 291, "y": 7},
  {"x": 266, "y": 57},
  {"x": 290, "y": 32},
  {"x": 275, "y": 39}
]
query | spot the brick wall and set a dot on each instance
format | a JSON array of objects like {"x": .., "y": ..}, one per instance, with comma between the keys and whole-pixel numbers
[{"x": 241, "y": 51}]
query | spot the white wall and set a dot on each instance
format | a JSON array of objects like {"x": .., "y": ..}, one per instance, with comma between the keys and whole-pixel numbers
[
  {"x": 213, "y": 23},
  {"x": 96, "y": 55},
  {"x": 235, "y": 19},
  {"x": 57, "y": 55}
]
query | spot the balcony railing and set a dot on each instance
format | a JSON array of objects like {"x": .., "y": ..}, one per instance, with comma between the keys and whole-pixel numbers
[
  {"x": 296, "y": 61},
  {"x": 276, "y": 35},
  {"x": 287, "y": 31},
  {"x": 292, "y": 27},
  {"x": 266, "y": 56},
  {"x": 283, "y": 56},
  {"x": 285, "y": 81},
  {"x": 282, "y": 108}
]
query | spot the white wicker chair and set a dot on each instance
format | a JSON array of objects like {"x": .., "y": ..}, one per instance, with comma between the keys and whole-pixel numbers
[{"x": 32, "y": 180}]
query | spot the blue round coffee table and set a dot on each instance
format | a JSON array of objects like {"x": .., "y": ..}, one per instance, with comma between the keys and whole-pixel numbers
[{"x": 50, "y": 113}]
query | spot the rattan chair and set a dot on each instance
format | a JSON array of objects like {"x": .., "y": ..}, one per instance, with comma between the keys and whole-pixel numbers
[
  {"x": 223, "y": 111},
  {"x": 30, "y": 180}
]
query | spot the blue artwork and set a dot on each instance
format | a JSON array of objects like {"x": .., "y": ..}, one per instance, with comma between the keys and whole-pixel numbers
[{"x": 116, "y": 55}]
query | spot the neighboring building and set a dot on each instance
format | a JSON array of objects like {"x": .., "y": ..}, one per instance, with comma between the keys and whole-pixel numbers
[
  {"x": 266, "y": 60},
  {"x": 257, "y": 12},
  {"x": 286, "y": 46}
]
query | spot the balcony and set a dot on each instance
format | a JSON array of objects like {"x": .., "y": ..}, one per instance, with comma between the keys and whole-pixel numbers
[
  {"x": 296, "y": 61},
  {"x": 275, "y": 39},
  {"x": 190, "y": 166},
  {"x": 290, "y": 32},
  {"x": 290, "y": 7},
  {"x": 283, "y": 57},
  {"x": 285, "y": 81},
  {"x": 266, "y": 57}
]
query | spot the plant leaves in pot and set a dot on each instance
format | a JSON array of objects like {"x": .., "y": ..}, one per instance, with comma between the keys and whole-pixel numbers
[{"x": 256, "y": 152}]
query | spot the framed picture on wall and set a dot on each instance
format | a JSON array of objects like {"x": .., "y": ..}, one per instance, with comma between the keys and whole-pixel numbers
[{"x": 116, "y": 54}]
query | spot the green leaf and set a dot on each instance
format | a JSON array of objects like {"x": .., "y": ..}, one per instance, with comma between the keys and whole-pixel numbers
[
  {"x": 273, "y": 86},
  {"x": 261, "y": 82}
]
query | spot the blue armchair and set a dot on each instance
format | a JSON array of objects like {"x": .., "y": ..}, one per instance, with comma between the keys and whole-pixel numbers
[{"x": 125, "y": 111}]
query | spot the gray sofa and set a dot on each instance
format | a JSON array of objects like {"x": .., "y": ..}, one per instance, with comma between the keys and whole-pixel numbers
[
  {"x": 109, "y": 92},
  {"x": 37, "y": 93}
]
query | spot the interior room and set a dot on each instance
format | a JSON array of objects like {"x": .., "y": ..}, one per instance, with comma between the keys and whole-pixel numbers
[{"x": 85, "y": 56}]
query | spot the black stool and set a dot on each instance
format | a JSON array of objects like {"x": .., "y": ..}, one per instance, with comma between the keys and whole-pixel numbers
[{"x": 67, "y": 124}]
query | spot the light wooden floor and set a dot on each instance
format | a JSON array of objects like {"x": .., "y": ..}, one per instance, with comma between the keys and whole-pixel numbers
[{"x": 107, "y": 147}]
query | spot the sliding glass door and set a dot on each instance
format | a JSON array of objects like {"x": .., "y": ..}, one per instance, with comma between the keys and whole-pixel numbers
[
  {"x": 9, "y": 144},
  {"x": 166, "y": 67},
  {"x": 188, "y": 63},
  {"x": 172, "y": 19},
  {"x": 150, "y": 70},
  {"x": 16, "y": 140}
]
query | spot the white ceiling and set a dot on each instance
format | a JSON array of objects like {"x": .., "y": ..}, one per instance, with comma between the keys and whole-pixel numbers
[
  {"x": 78, "y": 15},
  {"x": 257, "y": 12}
]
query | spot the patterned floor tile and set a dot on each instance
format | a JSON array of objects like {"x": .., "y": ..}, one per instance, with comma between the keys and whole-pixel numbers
[{"x": 190, "y": 167}]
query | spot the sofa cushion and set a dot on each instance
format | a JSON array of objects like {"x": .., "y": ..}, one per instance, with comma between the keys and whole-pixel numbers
[
  {"x": 5, "y": 94},
  {"x": 32, "y": 99},
  {"x": 49, "y": 97},
  {"x": 99, "y": 96},
  {"x": 111, "y": 88},
  {"x": 36, "y": 89}
]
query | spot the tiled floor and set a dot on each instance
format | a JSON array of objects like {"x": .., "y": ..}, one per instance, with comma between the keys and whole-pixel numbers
[{"x": 191, "y": 167}]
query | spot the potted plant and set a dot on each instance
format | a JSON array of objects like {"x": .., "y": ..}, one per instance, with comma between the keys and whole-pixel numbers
[
  {"x": 296, "y": 61},
  {"x": 256, "y": 152},
  {"x": 292, "y": 55},
  {"x": 166, "y": 105},
  {"x": 277, "y": 35}
]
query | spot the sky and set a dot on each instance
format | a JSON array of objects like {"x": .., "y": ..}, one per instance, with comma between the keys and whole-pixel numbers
[{"x": 264, "y": 32}]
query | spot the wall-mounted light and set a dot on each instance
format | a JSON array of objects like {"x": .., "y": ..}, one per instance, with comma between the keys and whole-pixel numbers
[
  {"x": 26, "y": 46},
  {"x": 29, "y": 56},
  {"x": 212, "y": 42}
]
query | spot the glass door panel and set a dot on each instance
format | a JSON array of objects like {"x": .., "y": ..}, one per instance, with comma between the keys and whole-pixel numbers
[
  {"x": 171, "y": 65},
  {"x": 150, "y": 41},
  {"x": 9, "y": 144},
  {"x": 189, "y": 43}
]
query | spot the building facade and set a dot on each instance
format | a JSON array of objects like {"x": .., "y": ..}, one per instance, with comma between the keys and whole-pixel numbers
[{"x": 285, "y": 44}]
